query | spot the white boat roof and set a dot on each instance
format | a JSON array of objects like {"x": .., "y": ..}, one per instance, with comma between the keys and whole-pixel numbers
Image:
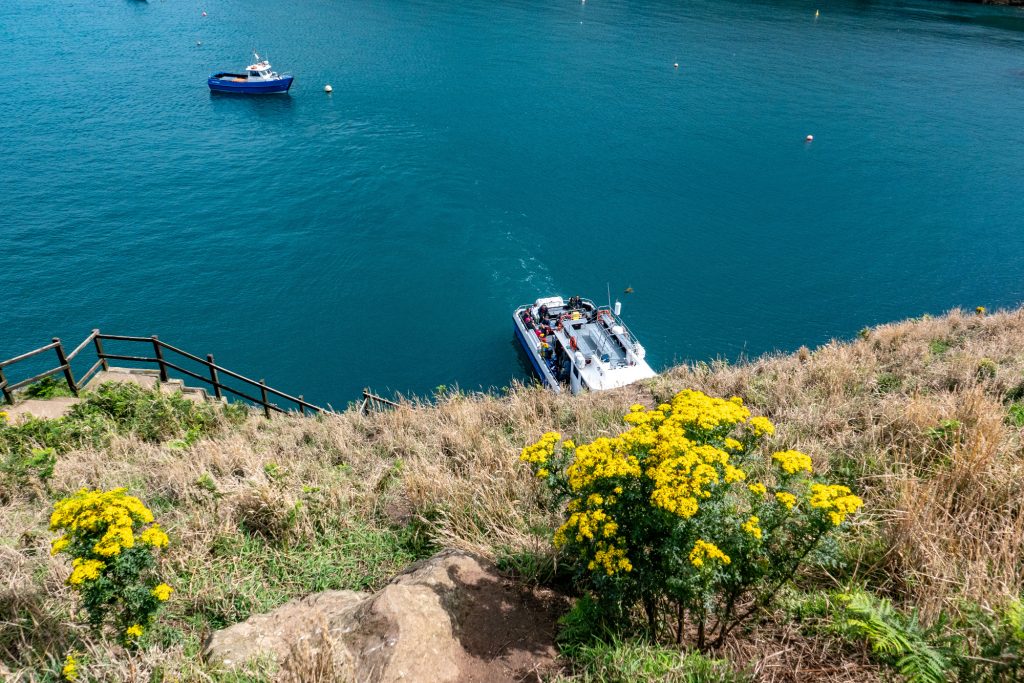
[{"x": 258, "y": 66}]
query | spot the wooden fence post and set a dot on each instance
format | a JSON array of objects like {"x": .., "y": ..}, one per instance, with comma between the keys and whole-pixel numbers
[
  {"x": 213, "y": 376},
  {"x": 63, "y": 360},
  {"x": 8, "y": 394},
  {"x": 160, "y": 358},
  {"x": 99, "y": 349},
  {"x": 302, "y": 407},
  {"x": 263, "y": 393}
]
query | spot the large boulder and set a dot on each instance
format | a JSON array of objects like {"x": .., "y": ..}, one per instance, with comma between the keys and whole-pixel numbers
[{"x": 451, "y": 619}]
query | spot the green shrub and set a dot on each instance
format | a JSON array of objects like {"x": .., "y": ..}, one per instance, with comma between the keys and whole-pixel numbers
[
  {"x": 997, "y": 645},
  {"x": 986, "y": 369},
  {"x": 113, "y": 559},
  {"x": 947, "y": 432},
  {"x": 937, "y": 347},
  {"x": 19, "y": 469},
  {"x": 888, "y": 382},
  {"x": 663, "y": 516},
  {"x": 47, "y": 387},
  {"x": 114, "y": 408},
  {"x": 897, "y": 640},
  {"x": 1015, "y": 414}
]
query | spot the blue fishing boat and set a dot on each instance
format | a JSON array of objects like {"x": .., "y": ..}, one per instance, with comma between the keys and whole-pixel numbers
[{"x": 258, "y": 79}]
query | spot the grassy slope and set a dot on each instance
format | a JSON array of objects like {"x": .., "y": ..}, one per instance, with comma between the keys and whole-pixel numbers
[{"x": 913, "y": 415}]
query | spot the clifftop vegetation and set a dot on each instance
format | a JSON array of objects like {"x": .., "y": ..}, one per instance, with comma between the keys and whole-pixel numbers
[{"x": 922, "y": 419}]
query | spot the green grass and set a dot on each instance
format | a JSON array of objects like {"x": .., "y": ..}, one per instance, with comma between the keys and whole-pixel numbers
[
  {"x": 113, "y": 409},
  {"x": 246, "y": 574}
]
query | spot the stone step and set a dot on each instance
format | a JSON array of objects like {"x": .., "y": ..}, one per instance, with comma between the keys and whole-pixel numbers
[{"x": 47, "y": 408}]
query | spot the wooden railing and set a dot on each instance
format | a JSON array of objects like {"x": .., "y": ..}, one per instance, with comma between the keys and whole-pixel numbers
[
  {"x": 372, "y": 403},
  {"x": 161, "y": 352}
]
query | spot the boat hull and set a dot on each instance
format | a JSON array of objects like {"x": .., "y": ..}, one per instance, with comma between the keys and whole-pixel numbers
[
  {"x": 544, "y": 375},
  {"x": 232, "y": 85}
]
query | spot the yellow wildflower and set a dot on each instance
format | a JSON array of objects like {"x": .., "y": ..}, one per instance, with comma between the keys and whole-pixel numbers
[
  {"x": 761, "y": 426},
  {"x": 702, "y": 550},
  {"x": 569, "y": 443},
  {"x": 751, "y": 526},
  {"x": 154, "y": 536},
  {"x": 733, "y": 474},
  {"x": 84, "y": 570},
  {"x": 787, "y": 499},
  {"x": 134, "y": 631},
  {"x": 162, "y": 592},
  {"x": 70, "y": 670},
  {"x": 793, "y": 461},
  {"x": 59, "y": 544},
  {"x": 540, "y": 452},
  {"x": 837, "y": 500},
  {"x": 610, "y": 558},
  {"x": 733, "y": 445},
  {"x": 758, "y": 488},
  {"x": 541, "y": 473},
  {"x": 3, "y": 416}
]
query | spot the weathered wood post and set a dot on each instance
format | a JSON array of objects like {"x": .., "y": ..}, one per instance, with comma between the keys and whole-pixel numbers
[
  {"x": 99, "y": 349},
  {"x": 8, "y": 394},
  {"x": 160, "y": 358},
  {"x": 63, "y": 360},
  {"x": 263, "y": 393},
  {"x": 213, "y": 376},
  {"x": 302, "y": 406}
]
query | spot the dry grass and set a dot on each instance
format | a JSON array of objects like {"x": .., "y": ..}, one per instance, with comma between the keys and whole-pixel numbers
[{"x": 913, "y": 415}]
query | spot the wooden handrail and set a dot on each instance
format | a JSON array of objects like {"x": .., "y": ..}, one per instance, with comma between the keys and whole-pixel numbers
[
  {"x": 157, "y": 346},
  {"x": 34, "y": 352},
  {"x": 88, "y": 340}
]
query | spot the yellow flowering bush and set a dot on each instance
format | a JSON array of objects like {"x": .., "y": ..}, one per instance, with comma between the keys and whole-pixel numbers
[
  {"x": 684, "y": 515},
  {"x": 112, "y": 541}
]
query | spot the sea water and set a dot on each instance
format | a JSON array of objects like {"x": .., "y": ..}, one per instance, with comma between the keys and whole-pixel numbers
[{"x": 477, "y": 155}]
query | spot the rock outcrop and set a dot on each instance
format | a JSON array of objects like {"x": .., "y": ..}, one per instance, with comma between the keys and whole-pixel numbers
[{"x": 451, "y": 619}]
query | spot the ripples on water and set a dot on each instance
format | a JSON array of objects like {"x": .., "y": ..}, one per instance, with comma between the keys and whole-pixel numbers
[{"x": 476, "y": 155}]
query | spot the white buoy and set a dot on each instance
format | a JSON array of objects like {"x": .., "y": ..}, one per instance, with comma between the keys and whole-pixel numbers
[
  {"x": 676, "y": 65},
  {"x": 817, "y": 13},
  {"x": 204, "y": 14},
  {"x": 328, "y": 88},
  {"x": 809, "y": 138},
  {"x": 199, "y": 42}
]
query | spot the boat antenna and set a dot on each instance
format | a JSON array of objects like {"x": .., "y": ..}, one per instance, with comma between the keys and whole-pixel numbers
[{"x": 609, "y": 285}]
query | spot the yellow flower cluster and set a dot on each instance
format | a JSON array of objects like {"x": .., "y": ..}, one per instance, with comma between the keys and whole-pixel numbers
[
  {"x": 133, "y": 631},
  {"x": 786, "y": 499},
  {"x": 588, "y": 525},
  {"x": 758, "y": 489},
  {"x": 154, "y": 536},
  {"x": 162, "y": 592},
  {"x": 603, "y": 459},
  {"x": 703, "y": 551},
  {"x": 752, "y": 527},
  {"x": 70, "y": 670},
  {"x": 3, "y": 416},
  {"x": 84, "y": 570},
  {"x": 540, "y": 453},
  {"x": 113, "y": 512},
  {"x": 793, "y": 461},
  {"x": 838, "y": 500},
  {"x": 611, "y": 559},
  {"x": 761, "y": 426}
]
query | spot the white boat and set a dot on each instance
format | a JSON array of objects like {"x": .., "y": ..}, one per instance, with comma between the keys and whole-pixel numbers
[{"x": 579, "y": 345}]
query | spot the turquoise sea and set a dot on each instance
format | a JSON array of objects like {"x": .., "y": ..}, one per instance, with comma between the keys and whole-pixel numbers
[{"x": 475, "y": 155}]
